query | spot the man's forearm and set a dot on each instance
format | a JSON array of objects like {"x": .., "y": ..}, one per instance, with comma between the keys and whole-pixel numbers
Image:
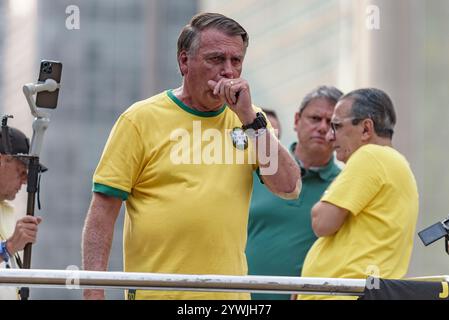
[
  {"x": 327, "y": 218},
  {"x": 278, "y": 169},
  {"x": 98, "y": 232},
  {"x": 97, "y": 237},
  {"x": 97, "y": 241}
]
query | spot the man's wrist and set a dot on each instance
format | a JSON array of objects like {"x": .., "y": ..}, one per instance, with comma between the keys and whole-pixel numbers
[
  {"x": 9, "y": 247},
  {"x": 247, "y": 118},
  {"x": 4, "y": 254},
  {"x": 260, "y": 122}
]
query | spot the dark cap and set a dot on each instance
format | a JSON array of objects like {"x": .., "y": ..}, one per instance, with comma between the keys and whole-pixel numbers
[
  {"x": 17, "y": 140},
  {"x": 17, "y": 145}
]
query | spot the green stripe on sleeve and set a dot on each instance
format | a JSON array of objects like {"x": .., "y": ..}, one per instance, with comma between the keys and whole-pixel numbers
[{"x": 110, "y": 191}]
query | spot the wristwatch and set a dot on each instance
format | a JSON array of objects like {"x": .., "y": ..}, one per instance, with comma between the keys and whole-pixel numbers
[
  {"x": 4, "y": 252},
  {"x": 259, "y": 123}
]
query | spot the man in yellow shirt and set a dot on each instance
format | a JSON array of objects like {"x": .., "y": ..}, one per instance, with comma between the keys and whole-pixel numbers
[
  {"x": 366, "y": 219},
  {"x": 183, "y": 162}
]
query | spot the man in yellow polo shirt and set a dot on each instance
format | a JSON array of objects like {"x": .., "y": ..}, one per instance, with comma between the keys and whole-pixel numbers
[
  {"x": 366, "y": 219},
  {"x": 183, "y": 162}
]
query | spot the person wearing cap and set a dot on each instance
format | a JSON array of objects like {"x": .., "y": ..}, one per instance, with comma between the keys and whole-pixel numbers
[
  {"x": 14, "y": 234},
  {"x": 279, "y": 231}
]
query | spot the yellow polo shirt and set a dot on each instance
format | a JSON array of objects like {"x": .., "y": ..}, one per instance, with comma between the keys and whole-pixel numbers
[{"x": 379, "y": 190}]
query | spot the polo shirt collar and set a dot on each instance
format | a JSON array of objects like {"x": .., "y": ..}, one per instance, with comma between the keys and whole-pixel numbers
[{"x": 326, "y": 173}]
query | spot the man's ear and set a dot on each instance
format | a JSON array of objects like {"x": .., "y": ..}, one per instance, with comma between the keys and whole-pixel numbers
[
  {"x": 297, "y": 117},
  {"x": 182, "y": 61},
  {"x": 368, "y": 129}
]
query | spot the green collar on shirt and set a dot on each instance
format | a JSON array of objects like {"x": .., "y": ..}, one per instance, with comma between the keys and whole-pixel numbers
[
  {"x": 186, "y": 108},
  {"x": 327, "y": 173}
]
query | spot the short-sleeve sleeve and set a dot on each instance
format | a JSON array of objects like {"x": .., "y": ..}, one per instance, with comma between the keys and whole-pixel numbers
[
  {"x": 121, "y": 161},
  {"x": 357, "y": 184}
]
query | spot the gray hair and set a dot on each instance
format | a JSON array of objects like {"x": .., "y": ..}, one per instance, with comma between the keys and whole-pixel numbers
[
  {"x": 327, "y": 92},
  {"x": 374, "y": 104},
  {"x": 189, "y": 38}
]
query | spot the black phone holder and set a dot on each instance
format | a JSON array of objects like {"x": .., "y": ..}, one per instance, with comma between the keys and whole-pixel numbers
[
  {"x": 435, "y": 232},
  {"x": 42, "y": 118}
]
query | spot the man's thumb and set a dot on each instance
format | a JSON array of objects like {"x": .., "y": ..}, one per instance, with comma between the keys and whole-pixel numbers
[{"x": 212, "y": 83}]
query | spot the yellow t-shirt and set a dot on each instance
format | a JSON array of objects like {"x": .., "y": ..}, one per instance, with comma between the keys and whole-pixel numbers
[
  {"x": 378, "y": 188},
  {"x": 186, "y": 199},
  {"x": 7, "y": 224}
]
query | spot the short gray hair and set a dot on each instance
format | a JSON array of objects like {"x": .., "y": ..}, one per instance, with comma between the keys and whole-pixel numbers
[
  {"x": 189, "y": 37},
  {"x": 327, "y": 92},
  {"x": 374, "y": 104}
]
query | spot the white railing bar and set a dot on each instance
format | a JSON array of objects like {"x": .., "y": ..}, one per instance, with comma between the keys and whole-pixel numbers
[{"x": 77, "y": 279}]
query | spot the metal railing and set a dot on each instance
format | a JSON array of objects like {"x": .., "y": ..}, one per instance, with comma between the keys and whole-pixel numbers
[{"x": 77, "y": 279}]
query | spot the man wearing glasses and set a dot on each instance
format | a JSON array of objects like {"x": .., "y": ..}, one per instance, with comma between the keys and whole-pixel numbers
[
  {"x": 366, "y": 219},
  {"x": 279, "y": 231}
]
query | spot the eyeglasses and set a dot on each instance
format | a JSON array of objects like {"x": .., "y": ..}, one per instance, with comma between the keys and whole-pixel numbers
[{"x": 335, "y": 126}]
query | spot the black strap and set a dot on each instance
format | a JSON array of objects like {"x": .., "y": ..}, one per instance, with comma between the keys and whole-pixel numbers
[
  {"x": 39, "y": 191},
  {"x": 18, "y": 260}
]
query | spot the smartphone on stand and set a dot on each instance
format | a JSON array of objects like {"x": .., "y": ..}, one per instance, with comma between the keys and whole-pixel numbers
[{"x": 49, "y": 70}]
